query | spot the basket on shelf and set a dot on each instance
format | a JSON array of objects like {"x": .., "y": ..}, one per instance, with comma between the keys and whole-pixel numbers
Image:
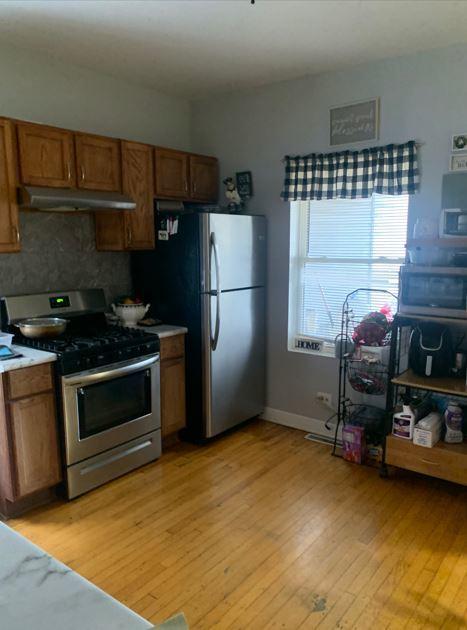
[
  {"x": 372, "y": 419},
  {"x": 368, "y": 378}
]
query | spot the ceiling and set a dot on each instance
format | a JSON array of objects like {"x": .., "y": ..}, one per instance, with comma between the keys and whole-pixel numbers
[{"x": 198, "y": 48}]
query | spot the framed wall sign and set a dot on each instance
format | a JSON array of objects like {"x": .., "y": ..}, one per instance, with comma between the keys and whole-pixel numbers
[
  {"x": 459, "y": 142},
  {"x": 244, "y": 184},
  {"x": 458, "y": 163},
  {"x": 355, "y": 122}
]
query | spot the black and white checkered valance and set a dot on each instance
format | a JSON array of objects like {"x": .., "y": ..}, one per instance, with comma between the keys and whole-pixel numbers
[{"x": 388, "y": 170}]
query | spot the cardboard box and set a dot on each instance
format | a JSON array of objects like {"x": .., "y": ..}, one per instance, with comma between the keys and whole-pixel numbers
[
  {"x": 353, "y": 443},
  {"x": 424, "y": 437}
]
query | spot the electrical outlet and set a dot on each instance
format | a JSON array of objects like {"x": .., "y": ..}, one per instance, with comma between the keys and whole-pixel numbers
[{"x": 325, "y": 398}]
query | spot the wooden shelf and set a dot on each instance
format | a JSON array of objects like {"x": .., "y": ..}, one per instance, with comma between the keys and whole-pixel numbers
[
  {"x": 445, "y": 385},
  {"x": 445, "y": 243},
  {"x": 460, "y": 449},
  {"x": 450, "y": 321},
  {"x": 446, "y": 461}
]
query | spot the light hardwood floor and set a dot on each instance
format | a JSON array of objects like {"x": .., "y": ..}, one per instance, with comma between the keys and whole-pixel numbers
[{"x": 263, "y": 529}]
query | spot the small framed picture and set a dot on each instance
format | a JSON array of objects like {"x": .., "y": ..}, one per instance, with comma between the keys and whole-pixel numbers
[
  {"x": 244, "y": 184},
  {"x": 458, "y": 163},
  {"x": 459, "y": 142}
]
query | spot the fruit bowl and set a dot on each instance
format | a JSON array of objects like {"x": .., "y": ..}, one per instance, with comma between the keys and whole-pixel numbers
[{"x": 130, "y": 314}]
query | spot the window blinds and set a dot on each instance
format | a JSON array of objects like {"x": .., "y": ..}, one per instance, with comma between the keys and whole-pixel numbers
[{"x": 345, "y": 244}]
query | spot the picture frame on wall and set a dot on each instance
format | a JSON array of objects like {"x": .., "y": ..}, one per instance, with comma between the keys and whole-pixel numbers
[
  {"x": 244, "y": 181},
  {"x": 354, "y": 122},
  {"x": 459, "y": 142},
  {"x": 458, "y": 162}
]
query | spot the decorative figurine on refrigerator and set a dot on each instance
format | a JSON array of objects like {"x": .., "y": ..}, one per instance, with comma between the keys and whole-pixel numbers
[{"x": 232, "y": 195}]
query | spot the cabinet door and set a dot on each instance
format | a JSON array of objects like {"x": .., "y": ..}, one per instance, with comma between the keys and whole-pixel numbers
[
  {"x": 138, "y": 183},
  {"x": 119, "y": 231},
  {"x": 173, "y": 409},
  {"x": 204, "y": 178},
  {"x": 110, "y": 231},
  {"x": 171, "y": 174},
  {"x": 35, "y": 443},
  {"x": 98, "y": 163},
  {"x": 9, "y": 220},
  {"x": 46, "y": 156}
]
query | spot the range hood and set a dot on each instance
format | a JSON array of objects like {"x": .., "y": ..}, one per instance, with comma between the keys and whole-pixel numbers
[{"x": 67, "y": 200}]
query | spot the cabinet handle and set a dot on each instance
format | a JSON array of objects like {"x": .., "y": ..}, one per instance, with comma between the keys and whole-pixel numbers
[
  {"x": 129, "y": 234},
  {"x": 15, "y": 233},
  {"x": 82, "y": 172},
  {"x": 69, "y": 171},
  {"x": 25, "y": 401},
  {"x": 427, "y": 461},
  {"x": 194, "y": 186},
  {"x": 186, "y": 186}
]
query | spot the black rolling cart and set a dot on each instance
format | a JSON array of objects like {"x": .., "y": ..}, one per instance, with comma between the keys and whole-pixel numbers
[{"x": 365, "y": 371}]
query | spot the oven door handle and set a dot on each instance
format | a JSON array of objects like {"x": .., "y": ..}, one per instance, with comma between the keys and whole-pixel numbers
[{"x": 97, "y": 376}]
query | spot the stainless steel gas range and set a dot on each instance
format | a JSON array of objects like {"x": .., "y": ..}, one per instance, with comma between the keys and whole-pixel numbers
[{"x": 108, "y": 386}]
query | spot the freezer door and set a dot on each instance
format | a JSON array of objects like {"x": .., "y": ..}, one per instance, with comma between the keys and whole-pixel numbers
[
  {"x": 233, "y": 373},
  {"x": 240, "y": 242}
]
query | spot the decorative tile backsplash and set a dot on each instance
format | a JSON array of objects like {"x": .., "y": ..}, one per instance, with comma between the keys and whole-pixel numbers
[{"x": 58, "y": 253}]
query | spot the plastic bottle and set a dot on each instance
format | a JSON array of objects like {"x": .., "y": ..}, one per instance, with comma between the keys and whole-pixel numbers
[
  {"x": 403, "y": 421},
  {"x": 453, "y": 420}
]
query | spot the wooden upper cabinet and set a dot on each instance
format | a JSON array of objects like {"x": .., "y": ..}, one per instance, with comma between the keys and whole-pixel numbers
[
  {"x": 98, "y": 163},
  {"x": 204, "y": 178},
  {"x": 171, "y": 174},
  {"x": 138, "y": 183},
  {"x": 46, "y": 156},
  {"x": 110, "y": 230},
  {"x": 117, "y": 231},
  {"x": 9, "y": 220}
]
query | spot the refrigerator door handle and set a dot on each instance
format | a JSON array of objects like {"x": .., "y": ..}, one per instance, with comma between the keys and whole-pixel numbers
[{"x": 217, "y": 292}]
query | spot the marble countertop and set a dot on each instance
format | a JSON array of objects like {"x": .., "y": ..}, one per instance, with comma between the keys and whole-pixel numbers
[
  {"x": 30, "y": 357},
  {"x": 40, "y": 593}
]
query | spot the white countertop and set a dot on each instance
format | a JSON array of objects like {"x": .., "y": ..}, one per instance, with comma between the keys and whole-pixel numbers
[
  {"x": 165, "y": 330},
  {"x": 30, "y": 357},
  {"x": 40, "y": 593}
]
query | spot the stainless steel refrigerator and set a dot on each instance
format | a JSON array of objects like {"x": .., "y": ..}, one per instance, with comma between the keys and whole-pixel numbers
[{"x": 210, "y": 277}]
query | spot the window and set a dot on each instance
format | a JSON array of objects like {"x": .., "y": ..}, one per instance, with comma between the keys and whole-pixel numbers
[{"x": 339, "y": 245}]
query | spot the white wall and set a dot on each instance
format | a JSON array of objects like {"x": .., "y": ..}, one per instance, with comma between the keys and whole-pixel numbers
[
  {"x": 423, "y": 97},
  {"x": 35, "y": 88},
  {"x": 58, "y": 252}
]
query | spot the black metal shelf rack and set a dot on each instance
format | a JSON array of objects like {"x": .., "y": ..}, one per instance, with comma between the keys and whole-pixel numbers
[{"x": 355, "y": 375}]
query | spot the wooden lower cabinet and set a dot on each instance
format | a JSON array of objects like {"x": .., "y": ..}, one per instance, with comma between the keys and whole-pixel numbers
[
  {"x": 173, "y": 411},
  {"x": 29, "y": 443},
  {"x": 34, "y": 443},
  {"x": 173, "y": 396}
]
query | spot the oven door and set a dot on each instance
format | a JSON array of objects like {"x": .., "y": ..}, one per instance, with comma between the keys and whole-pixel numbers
[{"x": 108, "y": 406}]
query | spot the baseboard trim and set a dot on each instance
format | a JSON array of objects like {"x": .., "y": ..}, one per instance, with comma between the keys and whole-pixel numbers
[{"x": 303, "y": 423}]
